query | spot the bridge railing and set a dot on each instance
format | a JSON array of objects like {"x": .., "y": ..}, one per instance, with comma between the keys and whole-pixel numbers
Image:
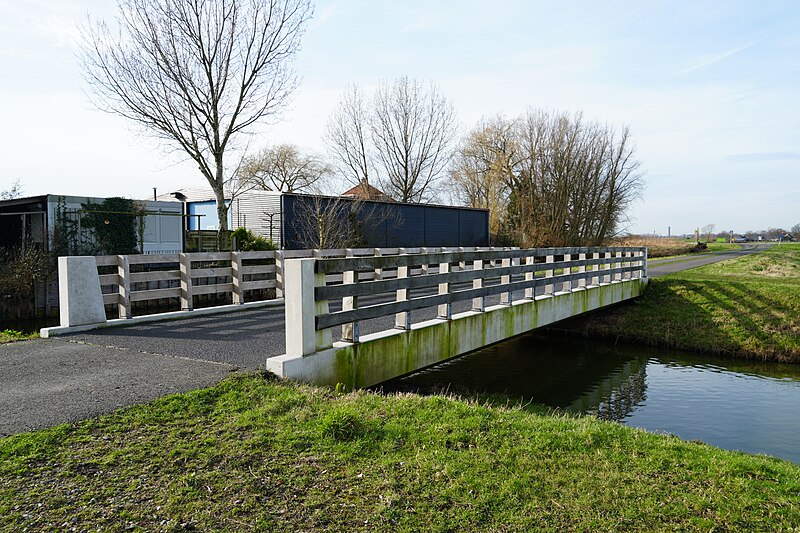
[
  {"x": 438, "y": 280},
  {"x": 153, "y": 278}
]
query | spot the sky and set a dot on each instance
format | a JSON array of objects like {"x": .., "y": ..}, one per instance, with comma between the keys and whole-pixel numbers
[{"x": 709, "y": 90}]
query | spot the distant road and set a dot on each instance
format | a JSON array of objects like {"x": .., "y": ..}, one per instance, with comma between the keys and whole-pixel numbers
[{"x": 662, "y": 267}]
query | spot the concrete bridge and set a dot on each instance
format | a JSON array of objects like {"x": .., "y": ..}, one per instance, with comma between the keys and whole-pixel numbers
[
  {"x": 572, "y": 281},
  {"x": 355, "y": 317}
]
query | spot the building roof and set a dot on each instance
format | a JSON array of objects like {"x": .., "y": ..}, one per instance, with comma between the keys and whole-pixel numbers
[
  {"x": 365, "y": 191},
  {"x": 188, "y": 194}
]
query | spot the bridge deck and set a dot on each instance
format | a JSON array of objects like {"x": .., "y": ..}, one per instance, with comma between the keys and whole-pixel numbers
[{"x": 242, "y": 339}]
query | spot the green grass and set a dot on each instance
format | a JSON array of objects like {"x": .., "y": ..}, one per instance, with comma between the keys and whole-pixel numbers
[
  {"x": 257, "y": 454},
  {"x": 722, "y": 246},
  {"x": 11, "y": 335},
  {"x": 745, "y": 307}
]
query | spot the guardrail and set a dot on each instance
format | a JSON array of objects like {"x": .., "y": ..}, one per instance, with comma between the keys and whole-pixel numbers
[
  {"x": 125, "y": 279},
  {"x": 454, "y": 276}
]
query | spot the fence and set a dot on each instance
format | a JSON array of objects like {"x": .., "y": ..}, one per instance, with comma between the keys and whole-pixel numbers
[
  {"x": 126, "y": 279},
  {"x": 453, "y": 276}
]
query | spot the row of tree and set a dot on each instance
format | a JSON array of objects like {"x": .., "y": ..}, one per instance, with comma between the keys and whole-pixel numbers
[{"x": 201, "y": 74}]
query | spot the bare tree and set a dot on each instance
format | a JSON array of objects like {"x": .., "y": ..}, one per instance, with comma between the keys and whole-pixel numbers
[
  {"x": 483, "y": 167},
  {"x": 197, "y": 73},
  {"x": 326, "y": 222},
  {"x": 708, "y": 230},
  {"x": 283, "y": 168},
  {"x": 796, "y": 231},
  {"x": 412, "y": 128},
  {"x": 15, "y": 191},
  {"x": 566, "y": 181},
  {"x": 347, "y": 136}
]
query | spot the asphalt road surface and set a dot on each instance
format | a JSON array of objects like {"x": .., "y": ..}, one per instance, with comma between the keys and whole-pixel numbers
[
  {"x": 50, "y": 381},
  {"x": 662, "y": 267}
]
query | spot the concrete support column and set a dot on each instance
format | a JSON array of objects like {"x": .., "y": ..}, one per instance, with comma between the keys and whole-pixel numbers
[
  {"x": 302, "y": 337},
  {"x": 124, "y": 273},
  {"x": 80, "y": 298}
]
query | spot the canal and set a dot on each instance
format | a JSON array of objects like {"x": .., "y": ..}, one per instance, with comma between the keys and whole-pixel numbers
[{"x": 732, "y": 404}]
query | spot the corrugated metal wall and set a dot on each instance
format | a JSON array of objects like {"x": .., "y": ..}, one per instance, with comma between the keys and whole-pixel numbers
[
  {"x": 258, "y": 211},
  {"x": 388, "y": 225}
]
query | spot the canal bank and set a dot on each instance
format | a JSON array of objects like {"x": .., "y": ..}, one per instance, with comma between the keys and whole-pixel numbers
[
  {"x": 746, "y": 307},
  {"x": 733, "y": 404},
  {"x": 264, "y": 454}
]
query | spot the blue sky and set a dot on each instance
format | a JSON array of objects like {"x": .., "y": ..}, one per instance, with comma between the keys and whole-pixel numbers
[{"x": 709, "y": 89}]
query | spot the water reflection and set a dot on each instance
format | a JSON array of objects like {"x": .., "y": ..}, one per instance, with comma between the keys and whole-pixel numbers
[{"x": 750, "y": 406}]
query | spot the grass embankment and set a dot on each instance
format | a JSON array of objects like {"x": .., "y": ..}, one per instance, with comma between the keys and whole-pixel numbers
[
  {"x": 253, "y": 453},
  {"x": 745, "y": 307},
  {"x": 11, "y": 335}
]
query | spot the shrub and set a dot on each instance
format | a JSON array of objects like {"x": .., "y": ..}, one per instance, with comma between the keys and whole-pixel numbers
[{"x": 246, "y": 241}]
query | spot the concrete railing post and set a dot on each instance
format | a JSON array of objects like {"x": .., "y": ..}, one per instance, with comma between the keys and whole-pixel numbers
[
  {"x": 445, "y": 310},
  {"x": 479, "y": 303},
  {"x": 237, "y": 278},
  {"x": 279, "y": 273},
  {"x": 187, "y": 301},
  {"x": 402, "y": 320},
  {"x": 350, "y": 277},
  {"x": 505, "y": 297},
  {"x": 378, "y": 275},
  {"x": 300, "y": 280},
  {"x": 619, "y": 275},
  {"x": 582, "y": 269},
  {"x": 550, "y": 287},
  {"x": 124, "y": 273},
  {"x": 567, "y": 270},
  {"x": 530, "y": 292},
  {"x": 595, "y": 268},
  {"x": 644, "y": 262}
]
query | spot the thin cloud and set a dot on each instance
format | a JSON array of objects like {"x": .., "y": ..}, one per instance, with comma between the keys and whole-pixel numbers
[
  {"x": 323, "y": 17},
  {"x": 758, "y": 157},
  {"x": 717, "y": 59},
  {"x": 424, "y": 23}
]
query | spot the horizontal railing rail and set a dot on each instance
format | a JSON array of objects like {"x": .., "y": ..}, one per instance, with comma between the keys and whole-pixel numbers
[
  {"x": 458, "y": 276},
  {"x": 183, "y": 276}
]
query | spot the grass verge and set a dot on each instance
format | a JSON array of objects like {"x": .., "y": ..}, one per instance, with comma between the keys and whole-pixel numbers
[
  {"x": 12, "y": 335},
  {"x": 252, "y": 453},
  {"x": 745, "y": 307}
]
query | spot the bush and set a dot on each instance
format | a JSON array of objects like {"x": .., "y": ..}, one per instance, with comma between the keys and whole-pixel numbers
[{"x": 247, "y": 242}]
